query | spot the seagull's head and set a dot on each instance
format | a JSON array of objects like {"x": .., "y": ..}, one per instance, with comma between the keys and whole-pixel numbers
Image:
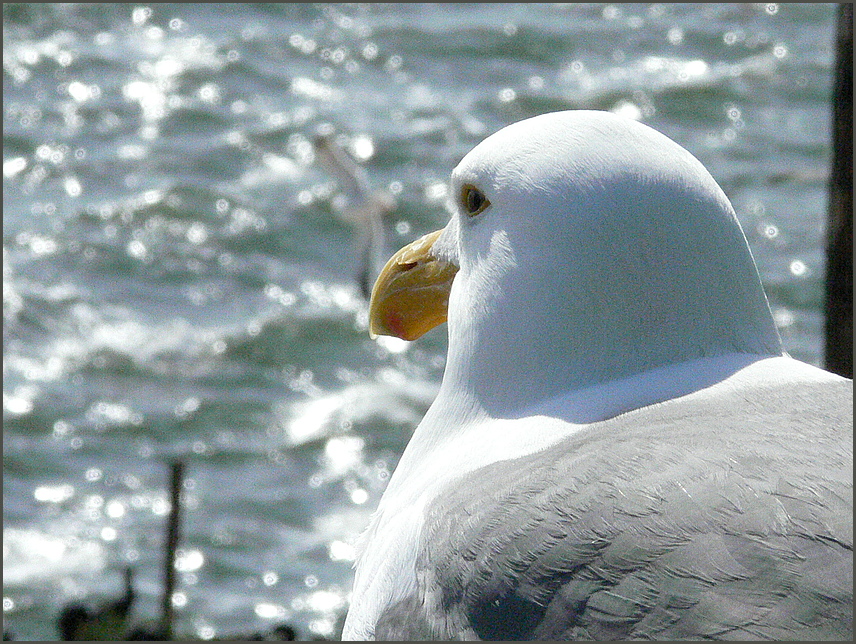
[{"x": 582, "y": 247}]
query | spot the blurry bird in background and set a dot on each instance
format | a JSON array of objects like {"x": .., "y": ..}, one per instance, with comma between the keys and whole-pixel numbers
[
  {"x": 109, "y": 622},
  {"x": 357, "y": 205}
]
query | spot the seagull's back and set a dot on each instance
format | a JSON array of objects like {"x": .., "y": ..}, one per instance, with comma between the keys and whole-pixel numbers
[{"x": 726, "y": 516}]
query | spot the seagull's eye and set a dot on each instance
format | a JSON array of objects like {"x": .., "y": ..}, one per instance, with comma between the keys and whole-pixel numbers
[{"x": 473, "y": 200}]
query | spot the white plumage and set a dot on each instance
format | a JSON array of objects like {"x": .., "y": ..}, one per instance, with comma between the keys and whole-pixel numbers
[{"x": 619, "y": 448}]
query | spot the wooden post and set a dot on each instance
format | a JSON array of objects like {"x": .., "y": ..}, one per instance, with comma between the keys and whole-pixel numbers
[
  {"x": 172, "y": 538},
  {"x": 839, "y": 252}
]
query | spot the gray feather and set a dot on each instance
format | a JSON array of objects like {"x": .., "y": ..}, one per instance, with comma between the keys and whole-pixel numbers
[{"x": 674, "y": 521}]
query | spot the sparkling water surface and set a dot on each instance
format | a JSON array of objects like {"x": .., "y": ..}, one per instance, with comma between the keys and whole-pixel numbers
[{"x": 179, "y": 269}]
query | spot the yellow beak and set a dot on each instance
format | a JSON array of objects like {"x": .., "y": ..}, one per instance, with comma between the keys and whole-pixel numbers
[{"x": 411, "y": 294}]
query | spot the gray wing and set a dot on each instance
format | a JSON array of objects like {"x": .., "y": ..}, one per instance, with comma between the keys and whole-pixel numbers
[{"x": 674, "y": 521}]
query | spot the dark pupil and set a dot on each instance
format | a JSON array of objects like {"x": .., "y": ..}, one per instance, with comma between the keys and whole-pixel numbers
[{"x": 474, "y": 200}]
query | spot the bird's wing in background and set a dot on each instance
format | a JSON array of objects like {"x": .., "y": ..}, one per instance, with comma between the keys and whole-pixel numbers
[{"x": 364, "y": 209}]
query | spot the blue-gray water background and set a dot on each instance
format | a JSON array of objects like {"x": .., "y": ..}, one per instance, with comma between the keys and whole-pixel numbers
[{"x": 178, "y": 281}]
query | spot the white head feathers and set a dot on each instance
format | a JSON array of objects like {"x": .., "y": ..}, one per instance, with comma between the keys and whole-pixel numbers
[{"x": 606, "y": 250}]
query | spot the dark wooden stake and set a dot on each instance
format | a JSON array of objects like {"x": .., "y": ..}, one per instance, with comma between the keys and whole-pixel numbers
[
  {"x": 172, "y": 538},
  {"x": 839, "y": 251}
]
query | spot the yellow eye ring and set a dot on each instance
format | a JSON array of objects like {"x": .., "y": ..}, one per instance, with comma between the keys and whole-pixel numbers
[{"x": 473, "y": 200}]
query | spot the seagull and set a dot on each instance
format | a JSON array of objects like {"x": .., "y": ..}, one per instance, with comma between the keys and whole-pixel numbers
[
  {"x": 363, "y": 207},
  {"x": 620, "y": 448}
]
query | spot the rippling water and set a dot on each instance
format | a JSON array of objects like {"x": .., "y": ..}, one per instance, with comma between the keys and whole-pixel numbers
[{"x": 179, "y": 276}]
